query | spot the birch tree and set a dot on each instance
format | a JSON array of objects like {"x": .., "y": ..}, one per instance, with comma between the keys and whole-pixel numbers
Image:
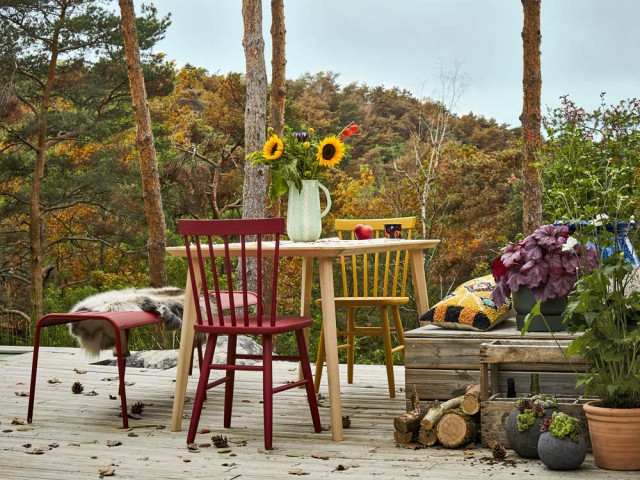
[{"x": 428, "y": 138}]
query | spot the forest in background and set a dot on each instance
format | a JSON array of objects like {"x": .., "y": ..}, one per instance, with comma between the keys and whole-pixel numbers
[{"x": 93, "y": 220}]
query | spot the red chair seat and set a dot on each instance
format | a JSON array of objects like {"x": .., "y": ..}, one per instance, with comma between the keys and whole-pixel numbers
[{"x": 282, "y": 325}]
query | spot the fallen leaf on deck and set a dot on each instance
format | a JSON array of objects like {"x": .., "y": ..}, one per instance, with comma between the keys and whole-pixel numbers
[
  {"x": 342, "y": 468},
  {"x": 186, "y": 460},
  {"x": 204, "y": 445},
  {"x": 17, "y": 421},
  {"x": 224, "y": 450},
  {"x": 113, "y": 443},
  {"x": 20, "y": 383},
  {"x": 294, "y": 454},
  {"x": 320, "y": 457},
  {"x": 53, "y": 380},
  {"x": 132, "y": 434},
  {"x": 22, "y": 394},
  {"x": 246, "y": 401},
  {"x": 92, "y": 393},
  {"x": 160, "y": 427},
  {"x": 204, "y": 430},
  {"x": 24, "y": 429},
  {"x": 110, "y": 379},
  {"x": 7, "y": 431},
  {"x": 79, "y": 372},
  {"x": 54, "y": 445},
  {"x": 112, "y": 397},
  {"x": 144, "y": 459},
  {"x": 27, "y": 445},
  {"x": 129, "y": 384},
  {"x": 298, "y": 472},
  {"x": 106, "y": 472},
  {"x": 73, "y": 444},
  {"x": 38, "y": 450}
]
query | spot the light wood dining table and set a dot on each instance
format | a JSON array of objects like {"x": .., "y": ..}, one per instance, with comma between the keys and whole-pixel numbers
[{"x": 326, "y": 251}]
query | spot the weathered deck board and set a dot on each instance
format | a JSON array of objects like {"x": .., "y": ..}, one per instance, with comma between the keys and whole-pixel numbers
[{"x": 82, "y": 425}]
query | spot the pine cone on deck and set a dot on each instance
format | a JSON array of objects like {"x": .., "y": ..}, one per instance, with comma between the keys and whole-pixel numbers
[
  {"x": 346, "y": 422},
  {"x": 77, "y": 387},
  {"x": 499, "y": 451},
  {"x": 137, "y": 408},
  {"x": 219, "y": 441}
]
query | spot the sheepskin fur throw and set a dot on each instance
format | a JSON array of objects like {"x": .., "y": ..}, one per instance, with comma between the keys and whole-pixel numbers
[{"x": 97, "y": 335}]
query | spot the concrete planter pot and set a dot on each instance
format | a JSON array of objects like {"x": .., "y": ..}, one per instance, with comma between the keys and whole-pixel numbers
[
  {"x": 525, "y": 443},
  {"x": 561, "y": 453}
]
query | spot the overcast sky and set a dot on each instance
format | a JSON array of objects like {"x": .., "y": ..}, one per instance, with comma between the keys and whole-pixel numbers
[{"x": 588, "y": 46}]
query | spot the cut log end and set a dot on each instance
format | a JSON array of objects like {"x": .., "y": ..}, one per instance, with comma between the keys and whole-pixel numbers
[
  {"x": 455, "y": 429},
  {"x": 427, "y": 437}
]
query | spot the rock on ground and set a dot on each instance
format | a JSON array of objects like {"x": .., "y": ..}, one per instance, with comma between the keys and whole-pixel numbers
[{"x": 163, "y": 359}]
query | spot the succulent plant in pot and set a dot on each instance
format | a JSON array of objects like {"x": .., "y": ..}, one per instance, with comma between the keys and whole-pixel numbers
[
  {"x": 542, "y": 267},
  {"x": 523, "y": 423},
  {"x": 561, "y": 446}
]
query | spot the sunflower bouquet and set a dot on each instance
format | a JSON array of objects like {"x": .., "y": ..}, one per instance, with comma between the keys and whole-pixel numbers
[{"x": 298, "y": 156}]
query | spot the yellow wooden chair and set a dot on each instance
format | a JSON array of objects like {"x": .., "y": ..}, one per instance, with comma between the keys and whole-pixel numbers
[{"x": 371, "y": 280}]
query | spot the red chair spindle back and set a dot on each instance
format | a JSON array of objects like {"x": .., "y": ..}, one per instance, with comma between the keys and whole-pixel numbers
[{"x": 192, "y": 230}]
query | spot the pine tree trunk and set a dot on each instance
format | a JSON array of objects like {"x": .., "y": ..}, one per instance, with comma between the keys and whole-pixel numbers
[
  {"x": 256, "y": 179},
  {"x": 530, "y": 118},
  {"x": 278, "y": 93},
  {"x": 278, "y": 66},
  {"x": 36, "y": 223},
  {"x": 146, "y": 150}
]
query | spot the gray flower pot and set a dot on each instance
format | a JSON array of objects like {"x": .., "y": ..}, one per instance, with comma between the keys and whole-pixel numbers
[
  {"x": 524, "y": 443},
  {"x": 561, "y": 453},
  {"x": 552, "y": 309}
]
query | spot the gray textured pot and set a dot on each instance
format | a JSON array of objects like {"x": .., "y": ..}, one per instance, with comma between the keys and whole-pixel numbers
[
  {"x": 524, "y": 443},
  {"x": 552, "y": 309},
  {"x": 561, "y": 453}
]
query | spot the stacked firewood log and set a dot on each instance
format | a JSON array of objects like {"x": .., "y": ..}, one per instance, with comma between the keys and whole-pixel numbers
[{"x": 452, "y": 423}]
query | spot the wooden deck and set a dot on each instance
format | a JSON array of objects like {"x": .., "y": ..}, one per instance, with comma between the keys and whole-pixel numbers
[{"x": 77, "y": 429}]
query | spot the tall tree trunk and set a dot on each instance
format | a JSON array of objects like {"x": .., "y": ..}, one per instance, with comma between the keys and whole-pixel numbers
[
  {"x": 146, "y": 149},
  {"x": 256, "y": 178},
  {"x": 530, "y": 118},
  {"x": 36, "y": 223},
  {"x": 278, "y": 86},
  {"x": 278, "y": 66}
]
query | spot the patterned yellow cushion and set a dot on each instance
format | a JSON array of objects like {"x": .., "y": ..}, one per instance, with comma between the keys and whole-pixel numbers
[{"x": 469, "y": 307}]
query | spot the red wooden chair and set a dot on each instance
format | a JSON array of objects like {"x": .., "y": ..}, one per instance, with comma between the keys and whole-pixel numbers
[
  {"x": 265, "y": 324},
  {"x": 121, "y": 321}
]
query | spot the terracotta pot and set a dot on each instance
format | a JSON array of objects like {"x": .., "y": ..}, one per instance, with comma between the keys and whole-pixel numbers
[{"x": 614, "y": 436}]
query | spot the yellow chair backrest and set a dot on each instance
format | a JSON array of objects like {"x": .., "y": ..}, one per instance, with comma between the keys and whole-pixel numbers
[{"x": 392, "y": 281}]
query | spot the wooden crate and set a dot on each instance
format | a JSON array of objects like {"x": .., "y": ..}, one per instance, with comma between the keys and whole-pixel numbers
[
  {"x": 496, "y": 409},
  {"x": 498, "y": 354},
  {"x": 439, "y": 361}
]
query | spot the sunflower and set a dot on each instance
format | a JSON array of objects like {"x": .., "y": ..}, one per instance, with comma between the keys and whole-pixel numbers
[
  {"x": 273, "y": 148},
  {"x": 330, "y": 151}
]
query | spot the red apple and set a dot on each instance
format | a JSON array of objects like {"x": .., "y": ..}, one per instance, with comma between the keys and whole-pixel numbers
[{"x": 363, "y": 232}]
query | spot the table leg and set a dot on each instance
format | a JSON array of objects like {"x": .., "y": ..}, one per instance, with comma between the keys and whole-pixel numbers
[
  {"x": 331, "y": 345},
  {"x": 305, "y": 298},
  {"x": 419, "y": 281},
  {"x": 184, "y": 357}
]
